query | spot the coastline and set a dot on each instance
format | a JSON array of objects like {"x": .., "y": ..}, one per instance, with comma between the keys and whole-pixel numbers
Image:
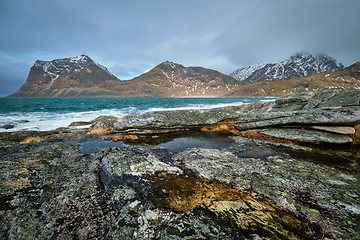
[{"x": 279, "y": 189}]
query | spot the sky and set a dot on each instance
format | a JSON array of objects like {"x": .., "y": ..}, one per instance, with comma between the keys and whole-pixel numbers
[{"x": 131, "y": 37}]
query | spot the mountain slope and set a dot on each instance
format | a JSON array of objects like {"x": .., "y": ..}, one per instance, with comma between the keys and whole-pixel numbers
[
  {"x": 82, "y": 77},
  {"x": 69, "y": 77},
  {"x": 174, "y": 80},
  {"x": 298, "y": 65},
  {"x": 349, "y": 78}
]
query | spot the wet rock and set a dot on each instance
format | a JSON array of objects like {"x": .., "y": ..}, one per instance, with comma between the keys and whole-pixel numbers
[
  {"x": 251, "y": 215},
  {"x": 237, "y": 209},
  {"x": 12, "y": 124},
  {"x": 8, "y": 126},
  {"x": 307, "y": 135}
]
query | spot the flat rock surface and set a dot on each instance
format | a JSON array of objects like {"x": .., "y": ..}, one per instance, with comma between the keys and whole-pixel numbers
[
  {"x": 74, "y": 184},
  {"x": 335, "y": 129},
  {"x": 307, "y": 135},
  {"x": 245, "y": 189},
  {"x": 342, "y": 116},
  {"x": 166, "y": 121}
]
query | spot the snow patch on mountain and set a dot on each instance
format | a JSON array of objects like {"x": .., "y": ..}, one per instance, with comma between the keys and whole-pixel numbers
[
  {"x": 63, "y": 66},
  {"x": 242, "y": 73},
  {"x": 298, "y": 65}
]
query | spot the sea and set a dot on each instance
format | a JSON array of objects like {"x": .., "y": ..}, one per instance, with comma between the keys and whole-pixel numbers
[{"x": 43, "y": 114}]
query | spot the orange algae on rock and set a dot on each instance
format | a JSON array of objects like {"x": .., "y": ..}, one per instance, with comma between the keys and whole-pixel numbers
[
  {"x": 31, "y": 140},
  {"x": 77, "y": 124},
  {"x": 236, "y": 208},
  {"x": 221, "y": 127},
  {"x": 124, "y": 138},
  {"x": 100, "y": 131},
  {"x": 182, "y": 194},
  {"x": 17, "y": 174},
  {"x": 356, "y": 136}
]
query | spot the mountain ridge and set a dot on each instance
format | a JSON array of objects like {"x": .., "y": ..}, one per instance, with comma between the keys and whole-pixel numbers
[
  {"x": 298, "y": 65},
  {"x": 64, "y": 77},
  {"x": 83, "y": 77},
  {"x": 348, "y": 78}
]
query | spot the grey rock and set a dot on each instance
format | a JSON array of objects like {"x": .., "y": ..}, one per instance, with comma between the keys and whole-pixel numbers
[
  {"x": 288, "y": 180},
  {"x": 343, "y": 98},
  {"x": 102, "y": 122},
  {"x": 307, "y": 135},
  {"x": 342, "y": 116},
  {"x": 129, "y": 162},
  {"x": 296, "y": 97},
  {"x": 321, "y": 97},
  {"x": 167, "y": 121},
  {"x": 251, "y": 107},
  {"x": 294, "y": 106},
  {"x": 7, "y": 126},
  {"x": 50, "y": 189},
  {"x": 335, "y": 129}
]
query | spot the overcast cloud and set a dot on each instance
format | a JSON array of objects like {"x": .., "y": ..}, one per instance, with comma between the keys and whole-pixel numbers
[{"x": 131, "y": 37}]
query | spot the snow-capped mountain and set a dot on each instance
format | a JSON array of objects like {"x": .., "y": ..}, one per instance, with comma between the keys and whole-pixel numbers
[
  {"x": 58, "y": 67},
  {"x": 174, "y": 80},
  {"x": 65, "y": 77},
  {"x": 243, "y": 73},
  {"x": 82, "y": 77},
  {"x": 298, "y": 65}
]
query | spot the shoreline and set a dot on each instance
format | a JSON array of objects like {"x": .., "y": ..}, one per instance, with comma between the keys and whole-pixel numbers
[{"x": 134, "y": 176}]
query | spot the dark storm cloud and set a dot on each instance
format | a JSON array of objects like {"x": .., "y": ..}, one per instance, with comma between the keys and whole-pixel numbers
[
  {"x": 130, "y": 37},
  {"x": 277, "y": 28}
]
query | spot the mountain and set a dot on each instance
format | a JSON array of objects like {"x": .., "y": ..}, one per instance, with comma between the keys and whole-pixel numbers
[
  {"x": 69, "y": 77},
  {"x": 169, "y": 79},
  {"x": 298, "y": 65},
  {"x": 348, "y": 78},
  {"x": 82, "y": 77}
]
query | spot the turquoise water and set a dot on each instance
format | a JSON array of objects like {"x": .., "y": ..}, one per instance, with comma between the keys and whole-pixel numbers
[{"x": 51, "y": 113}]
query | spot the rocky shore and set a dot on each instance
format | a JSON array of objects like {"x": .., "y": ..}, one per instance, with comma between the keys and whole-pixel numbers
[{"x": 280, "y": 170}]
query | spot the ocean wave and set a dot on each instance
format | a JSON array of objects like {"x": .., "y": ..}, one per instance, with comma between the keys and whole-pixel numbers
[
  {"x": 45, "y": 121},
  {"x": 195, "y": 107},
  {"x": 54, "y": 114}
]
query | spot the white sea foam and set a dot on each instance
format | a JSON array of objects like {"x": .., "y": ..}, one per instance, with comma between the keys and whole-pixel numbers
[
  {"x": 44, "y": 121},
  {"x": 196, "y": 107}
]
